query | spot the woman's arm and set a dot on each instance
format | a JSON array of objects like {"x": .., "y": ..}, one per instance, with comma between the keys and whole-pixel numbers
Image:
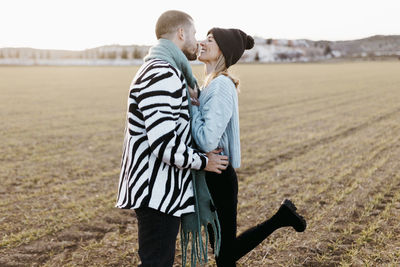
[{"x": 209, "y": 125}]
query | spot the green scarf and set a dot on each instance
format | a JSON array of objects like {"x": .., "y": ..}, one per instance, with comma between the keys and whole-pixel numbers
[{"x": 191, "y": 223}]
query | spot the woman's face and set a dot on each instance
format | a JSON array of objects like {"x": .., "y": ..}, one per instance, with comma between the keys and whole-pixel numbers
[{"x": 209, "y": 51}]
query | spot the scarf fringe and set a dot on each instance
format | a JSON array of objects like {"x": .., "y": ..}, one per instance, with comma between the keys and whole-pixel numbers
[
  {"x": 197, "y": 244},
  {"x": 194, "y": 223}
]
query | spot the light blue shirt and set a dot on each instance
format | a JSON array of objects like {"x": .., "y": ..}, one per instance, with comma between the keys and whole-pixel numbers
[{"x": 215, "y": 123}]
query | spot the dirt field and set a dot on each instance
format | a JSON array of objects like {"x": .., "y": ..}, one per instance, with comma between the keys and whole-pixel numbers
[{"x": 326, "y": 136}]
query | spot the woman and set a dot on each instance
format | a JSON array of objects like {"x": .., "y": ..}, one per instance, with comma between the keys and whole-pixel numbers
[{"x": 215, "y": 124}]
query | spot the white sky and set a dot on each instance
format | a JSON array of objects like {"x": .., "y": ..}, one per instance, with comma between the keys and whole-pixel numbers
[{"x": 80, "y": 24}]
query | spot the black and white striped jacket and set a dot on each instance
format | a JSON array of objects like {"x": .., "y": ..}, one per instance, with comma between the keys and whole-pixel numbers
[{"x": 157, "y": 157}]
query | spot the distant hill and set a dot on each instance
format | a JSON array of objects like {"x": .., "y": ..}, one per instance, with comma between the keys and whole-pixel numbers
[
  {"x": 265, "y": 50},
  {"x": 378, "y": 45},
  {"x": 279, "y": 50}
]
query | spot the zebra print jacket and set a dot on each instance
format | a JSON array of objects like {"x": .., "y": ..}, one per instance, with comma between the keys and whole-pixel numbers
[{"x": 157, "y": 154}]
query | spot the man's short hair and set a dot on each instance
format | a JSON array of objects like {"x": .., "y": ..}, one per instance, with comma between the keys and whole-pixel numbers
[{"x": 171, "y": 20}]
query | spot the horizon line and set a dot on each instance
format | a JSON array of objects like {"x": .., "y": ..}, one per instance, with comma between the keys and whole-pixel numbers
[{"x": 255, "y": 36}]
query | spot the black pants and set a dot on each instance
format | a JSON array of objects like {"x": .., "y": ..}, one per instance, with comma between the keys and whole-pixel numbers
[
  {"x": 224, "y": 190},
  {"x": 157, "y": 237}
]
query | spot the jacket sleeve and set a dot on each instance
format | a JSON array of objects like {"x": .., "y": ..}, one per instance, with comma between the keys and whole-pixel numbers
[
  {"x": 209, "y": 124},
  {"x": 156, "y": 99}
]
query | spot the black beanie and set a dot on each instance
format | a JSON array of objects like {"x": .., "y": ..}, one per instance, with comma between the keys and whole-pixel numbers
[{"x": 232, "y": 43}]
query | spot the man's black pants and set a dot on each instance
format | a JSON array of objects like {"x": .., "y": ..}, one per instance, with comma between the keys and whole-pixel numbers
[{"x": 157, "y": 237}]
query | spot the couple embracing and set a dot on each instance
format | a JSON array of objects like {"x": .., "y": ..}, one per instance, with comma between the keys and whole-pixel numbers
[{"x": 182, "y": 146}]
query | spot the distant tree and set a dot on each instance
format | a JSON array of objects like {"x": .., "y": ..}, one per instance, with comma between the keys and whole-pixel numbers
[
  {"x": 124, "y": 54},
  {"x": 137, "y": 54},
  {"x": 257, "y": 57},
  {"x": 112, "y": 55},
  {"x": 328, "y": 50},
  {"x": 269, "y": 41},
  {"x": 282, "y": 56},
  {"x": 101, "y": 55}
]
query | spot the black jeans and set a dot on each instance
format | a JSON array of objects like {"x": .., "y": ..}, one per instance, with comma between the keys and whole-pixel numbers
[
  {"x": 224, "y": 190},
  {"x": 157, "y": 237}
]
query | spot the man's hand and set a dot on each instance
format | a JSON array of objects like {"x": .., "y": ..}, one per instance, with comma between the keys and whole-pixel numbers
[
  {"x": 195, "y": 101},
  {"x": 216, "y": 163},
  {"x": 194, "y": 93}
]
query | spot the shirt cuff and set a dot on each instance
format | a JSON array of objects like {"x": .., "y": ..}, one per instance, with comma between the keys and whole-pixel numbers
[{"x": 199, "y": 161}]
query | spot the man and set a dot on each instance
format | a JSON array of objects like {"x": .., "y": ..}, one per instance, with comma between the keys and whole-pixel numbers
[{"x": 155, "y": 178}]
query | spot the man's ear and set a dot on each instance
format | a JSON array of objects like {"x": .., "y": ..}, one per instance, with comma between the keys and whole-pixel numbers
[{"x": 181, "y": 34}]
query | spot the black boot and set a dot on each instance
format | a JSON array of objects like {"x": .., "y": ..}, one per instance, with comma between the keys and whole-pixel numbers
[{"x": 287, "y": 216}]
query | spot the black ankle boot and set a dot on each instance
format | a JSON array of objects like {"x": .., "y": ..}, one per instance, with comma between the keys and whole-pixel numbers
[{"x": 287, "y": 216}]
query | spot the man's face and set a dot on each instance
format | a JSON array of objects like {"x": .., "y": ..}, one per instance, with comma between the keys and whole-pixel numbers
[{"x": 190, "y": 43}]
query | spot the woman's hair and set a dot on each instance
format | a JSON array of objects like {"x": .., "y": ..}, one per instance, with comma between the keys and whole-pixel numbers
[{"x": 220, "y": 69}]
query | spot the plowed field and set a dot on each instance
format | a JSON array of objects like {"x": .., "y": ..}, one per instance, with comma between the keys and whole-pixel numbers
[{"x": 325, "y": 135}]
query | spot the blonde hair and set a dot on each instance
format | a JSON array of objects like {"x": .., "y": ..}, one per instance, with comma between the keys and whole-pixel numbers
[{"x": 221, "y": 69}]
